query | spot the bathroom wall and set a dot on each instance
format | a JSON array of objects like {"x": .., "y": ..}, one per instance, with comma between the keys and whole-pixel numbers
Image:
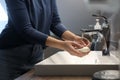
[
  {"x": 75, "y": 15},
  {"x": 115, "y": 27},
  {"x": 3, "y": 3}
]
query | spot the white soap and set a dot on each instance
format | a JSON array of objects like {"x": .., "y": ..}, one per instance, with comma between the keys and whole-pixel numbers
[{"x": 84, "y": 49}]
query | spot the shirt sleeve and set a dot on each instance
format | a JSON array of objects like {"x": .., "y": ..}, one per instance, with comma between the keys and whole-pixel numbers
[
  {"x": 19, "y": 16},
  {"x": 57, "y": 27}
]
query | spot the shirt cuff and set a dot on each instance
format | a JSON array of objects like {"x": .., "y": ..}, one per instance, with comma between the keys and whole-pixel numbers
[{"x": 59, "y": 29}]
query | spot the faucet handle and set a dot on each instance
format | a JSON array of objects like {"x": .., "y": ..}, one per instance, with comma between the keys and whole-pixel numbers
[{"x": 101, "y": 16}]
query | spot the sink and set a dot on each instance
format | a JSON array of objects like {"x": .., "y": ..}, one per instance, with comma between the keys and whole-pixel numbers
[{"x": 62, "y": 63}]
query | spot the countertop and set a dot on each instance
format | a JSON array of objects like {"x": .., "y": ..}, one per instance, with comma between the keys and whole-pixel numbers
[{"x": 31, "y": 76}]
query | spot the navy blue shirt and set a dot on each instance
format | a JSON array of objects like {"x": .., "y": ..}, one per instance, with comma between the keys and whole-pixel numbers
[{"x": 30, "y": 22}]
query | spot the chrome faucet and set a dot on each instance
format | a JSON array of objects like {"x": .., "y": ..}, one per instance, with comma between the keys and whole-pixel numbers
[
  {"x": 106, "y": 34},
  {"x": 103, "y": 33}
]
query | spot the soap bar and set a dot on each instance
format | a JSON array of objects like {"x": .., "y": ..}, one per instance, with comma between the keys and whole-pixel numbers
[{"x": 84, "y": 49}]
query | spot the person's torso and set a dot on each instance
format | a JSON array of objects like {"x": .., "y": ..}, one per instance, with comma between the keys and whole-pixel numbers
[{"x": 40, "y": 13}]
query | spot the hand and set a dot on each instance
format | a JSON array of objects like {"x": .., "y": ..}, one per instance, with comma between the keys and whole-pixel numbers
[
  {"x": 87, "y": 42},
  {"x": 82, "y": 41},
  {"x": 67, "y": 45},
  {"x": 72, "y": 48},
  {"x": 68, "y": 35}
]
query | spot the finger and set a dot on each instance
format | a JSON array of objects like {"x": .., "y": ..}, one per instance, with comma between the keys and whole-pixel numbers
[
  {"x": 82, "y": 42},
  {"x": 87, "y": 42},
  {"x": 76, "y": 45}
]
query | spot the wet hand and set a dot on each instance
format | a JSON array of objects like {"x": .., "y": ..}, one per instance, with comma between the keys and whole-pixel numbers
[
  {"x": 82, "y": 41},
  {"x": 72, "y": 47}
]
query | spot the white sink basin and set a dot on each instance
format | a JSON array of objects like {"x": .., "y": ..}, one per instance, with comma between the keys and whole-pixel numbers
[
  {"x": 62, "y": 63},
  {"x": 94, "y": 57}
]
